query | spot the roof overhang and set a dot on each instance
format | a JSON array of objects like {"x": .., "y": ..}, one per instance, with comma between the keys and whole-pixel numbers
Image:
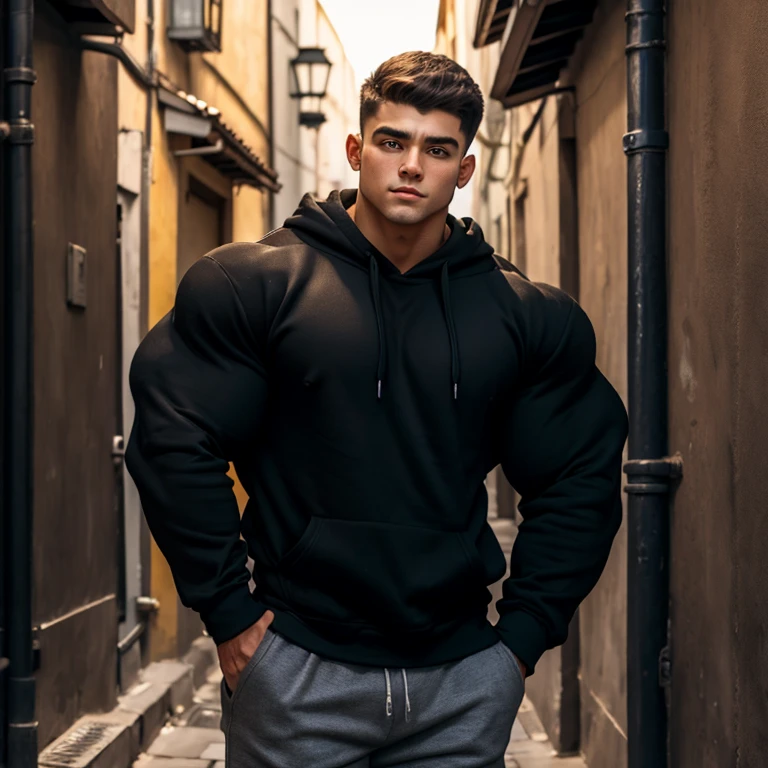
[
  {"x": 218, "y": 144},
  {"x": 537, "y": 43},
  {"x": 98, "y": 17},
  {"x": 492, "y": 18}
]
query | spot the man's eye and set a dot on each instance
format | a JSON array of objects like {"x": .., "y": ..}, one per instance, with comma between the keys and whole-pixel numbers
[
  {"x": 441, "y": 151},
  {"x": 391, "y": 144}
]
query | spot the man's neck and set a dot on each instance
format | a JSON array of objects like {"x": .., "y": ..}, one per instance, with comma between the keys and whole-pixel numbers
[{"x": 405, "y": 245}]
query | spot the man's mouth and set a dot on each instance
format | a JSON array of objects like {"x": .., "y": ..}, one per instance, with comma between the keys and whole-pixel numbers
[{"x": 407, "y": 193}]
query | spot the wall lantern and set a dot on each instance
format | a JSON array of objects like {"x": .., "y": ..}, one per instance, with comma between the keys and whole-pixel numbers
[
  {"x": 196, "y": 24},
  {"x": 311, "y": 72}
]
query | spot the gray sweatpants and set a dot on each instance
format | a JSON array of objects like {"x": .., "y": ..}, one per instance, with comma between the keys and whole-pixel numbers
[{"x": 294, "y": 709}]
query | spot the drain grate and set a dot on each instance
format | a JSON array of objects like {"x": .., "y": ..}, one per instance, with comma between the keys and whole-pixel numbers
[{"x": 79, "y": 747}]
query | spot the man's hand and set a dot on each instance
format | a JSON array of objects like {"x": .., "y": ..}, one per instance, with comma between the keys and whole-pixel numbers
[{"x": 235, "y": 654}]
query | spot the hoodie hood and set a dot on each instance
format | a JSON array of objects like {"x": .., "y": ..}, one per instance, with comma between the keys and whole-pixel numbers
[{"x": 326, "y": 226}]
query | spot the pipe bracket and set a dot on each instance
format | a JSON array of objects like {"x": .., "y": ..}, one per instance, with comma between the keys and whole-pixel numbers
[
  {"x": 20, "y": 132},
  {"x": 661, "y": 44},
  {"x": 645, "y": 140},
  {"x": 652, "y": 475},
  {"x": 642, "y": 12},
  {"x": 20, "y": 75}
]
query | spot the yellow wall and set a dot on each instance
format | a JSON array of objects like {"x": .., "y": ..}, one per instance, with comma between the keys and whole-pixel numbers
[{"x": 235, "y": 82}]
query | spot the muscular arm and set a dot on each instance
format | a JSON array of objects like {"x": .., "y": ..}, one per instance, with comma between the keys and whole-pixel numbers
[
  {"x": 564, "y": 433},
  {"x": 200, "y": 392}
]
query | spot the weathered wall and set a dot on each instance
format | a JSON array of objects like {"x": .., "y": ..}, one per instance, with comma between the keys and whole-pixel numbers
[
  {"x": 602, "y": 195},
  {"x": 539, "y": 173},
  {"x": 718, "y": 365},
  {"x": 74, "y": 166},
  {"x": 539, "y": 227}
]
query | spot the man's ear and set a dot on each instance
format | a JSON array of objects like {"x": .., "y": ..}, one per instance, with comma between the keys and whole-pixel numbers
[
  {"x": 466, "y": 169},
  {"x": 354, "y": 148}
]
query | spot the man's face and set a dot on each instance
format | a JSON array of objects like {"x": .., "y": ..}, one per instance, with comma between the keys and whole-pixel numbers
[{"x": 410, "y": 163}]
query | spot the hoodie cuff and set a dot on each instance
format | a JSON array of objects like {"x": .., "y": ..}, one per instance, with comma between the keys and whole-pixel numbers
[
  {"x": 233, "y": 615},
  {"x": 525, "y": 636}
]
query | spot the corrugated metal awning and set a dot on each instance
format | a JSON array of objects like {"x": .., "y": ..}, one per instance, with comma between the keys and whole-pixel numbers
[{"x": 538, "y": 38}]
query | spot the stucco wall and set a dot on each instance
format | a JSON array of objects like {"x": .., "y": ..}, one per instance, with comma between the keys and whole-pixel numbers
[
  {"x": 602, "y": 196},
  {"x": 718, "y": 365}
]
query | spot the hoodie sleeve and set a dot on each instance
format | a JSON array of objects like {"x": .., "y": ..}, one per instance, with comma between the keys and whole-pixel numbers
[
  {"x": 564, "y": 433},
  {"x": 200, "y": 392}
]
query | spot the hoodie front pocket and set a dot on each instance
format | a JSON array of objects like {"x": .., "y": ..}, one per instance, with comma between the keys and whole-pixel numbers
[{"x": 380, "y": 574}]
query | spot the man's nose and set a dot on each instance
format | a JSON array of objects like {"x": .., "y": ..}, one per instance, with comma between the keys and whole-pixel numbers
[{"x": 411, "y": 165}]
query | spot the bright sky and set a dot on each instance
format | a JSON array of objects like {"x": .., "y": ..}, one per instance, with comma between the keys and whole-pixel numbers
[{"x": 371, "y": 30}]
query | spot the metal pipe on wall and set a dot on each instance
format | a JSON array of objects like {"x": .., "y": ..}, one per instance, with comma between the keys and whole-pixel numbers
[
  {"x": 649, "y": 470},
  {"x": 17, "y": 301}
]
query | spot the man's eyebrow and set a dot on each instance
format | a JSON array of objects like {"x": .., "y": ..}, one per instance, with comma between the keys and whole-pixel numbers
[
  {"x": 443, "y": 140},
  {"x": 396, "y": 133}
]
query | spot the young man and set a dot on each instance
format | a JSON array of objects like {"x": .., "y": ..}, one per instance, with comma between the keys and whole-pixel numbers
[{"x": 364, "y": 367}]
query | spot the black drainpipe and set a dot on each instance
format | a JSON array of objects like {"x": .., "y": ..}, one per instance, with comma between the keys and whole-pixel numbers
[
  {"x": 17, "y": 501},
  {"x": 649, "y": 471}
]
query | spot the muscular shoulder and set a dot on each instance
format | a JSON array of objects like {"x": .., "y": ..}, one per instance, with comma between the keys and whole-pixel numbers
[
  {"x": 552, "y": 324},
  {"x": 273, "y": 257}
]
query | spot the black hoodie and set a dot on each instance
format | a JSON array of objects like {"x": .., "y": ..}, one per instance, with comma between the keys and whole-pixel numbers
[{"x": 362, "y": 409}]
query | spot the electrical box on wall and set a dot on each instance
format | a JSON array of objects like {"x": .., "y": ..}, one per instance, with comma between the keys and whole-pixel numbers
[{"x": 76, "y": 274}]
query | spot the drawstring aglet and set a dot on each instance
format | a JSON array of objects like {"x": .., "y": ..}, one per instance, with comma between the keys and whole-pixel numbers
[
  {"x": 407, "y": 698},
  {"x": 455, "y": 390},
  {"x": 379, "y": 390}
]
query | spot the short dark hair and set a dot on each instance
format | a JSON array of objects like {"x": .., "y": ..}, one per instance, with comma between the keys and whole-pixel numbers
[{"x": 425, "y": 81}]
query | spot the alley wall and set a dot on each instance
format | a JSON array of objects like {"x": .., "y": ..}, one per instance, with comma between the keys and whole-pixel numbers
[
  {"x": 74, "y": 166},
  {"x": 718, "y": 365},
  {"x": 601, "y": 116}
]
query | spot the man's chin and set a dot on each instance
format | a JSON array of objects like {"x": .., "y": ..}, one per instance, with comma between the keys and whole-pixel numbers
[{"x": 402, "y": 215}]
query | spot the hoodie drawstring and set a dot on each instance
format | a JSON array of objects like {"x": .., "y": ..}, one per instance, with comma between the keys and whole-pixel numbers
[
  {"x": 388, "y": 704},
  {"x": 373, "y": 274},
  {"x": 376, "y": 293},
  {"x": 455, "y": 362}
]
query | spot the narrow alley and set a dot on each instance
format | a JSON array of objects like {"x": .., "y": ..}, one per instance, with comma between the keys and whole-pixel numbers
[{"x": 432, "y": 328}]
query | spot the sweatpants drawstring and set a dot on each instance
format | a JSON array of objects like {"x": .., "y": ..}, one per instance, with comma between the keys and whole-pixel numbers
[
  {"x": 389, "y": 694},
  {"x": 407, "y": 700}
]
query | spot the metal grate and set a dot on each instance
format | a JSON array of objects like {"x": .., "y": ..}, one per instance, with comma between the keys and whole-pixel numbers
[{"x": 78, "y": 748}]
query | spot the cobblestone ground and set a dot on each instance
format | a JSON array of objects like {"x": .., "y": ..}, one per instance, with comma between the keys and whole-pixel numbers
[{"x": 193, "y": 739}]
